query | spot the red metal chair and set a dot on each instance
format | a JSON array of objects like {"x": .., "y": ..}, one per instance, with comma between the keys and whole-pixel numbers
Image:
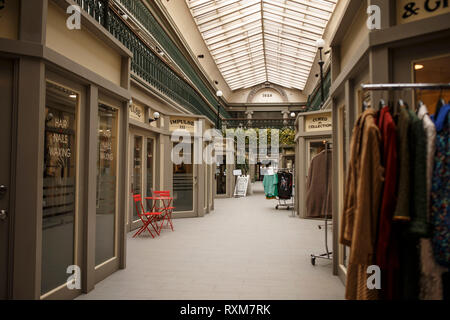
[
  {"x": 167, "y": 208},
  {"x": 147, "y": 218}
]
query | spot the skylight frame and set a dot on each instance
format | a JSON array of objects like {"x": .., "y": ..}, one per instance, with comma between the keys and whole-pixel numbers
[{"x": 257, "y": 41}]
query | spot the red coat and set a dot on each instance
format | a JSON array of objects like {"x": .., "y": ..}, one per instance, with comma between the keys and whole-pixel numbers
[{"x": 386, "y": 250}]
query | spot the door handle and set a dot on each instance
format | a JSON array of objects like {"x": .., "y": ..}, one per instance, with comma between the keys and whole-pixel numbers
[{"x": 3, "y": 215}]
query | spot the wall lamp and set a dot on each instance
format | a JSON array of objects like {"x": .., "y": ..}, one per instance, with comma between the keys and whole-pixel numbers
[{"x": 156, "y": 116}]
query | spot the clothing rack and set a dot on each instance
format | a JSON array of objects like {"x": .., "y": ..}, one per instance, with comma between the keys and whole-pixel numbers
[
  {"x": 328, "y": 254},
  {"x": 284, "y": 203},
  {"x": 402, "y": 86}
]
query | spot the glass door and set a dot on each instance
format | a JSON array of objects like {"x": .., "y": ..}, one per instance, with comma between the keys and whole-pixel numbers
[
  {"x": 106, "y": 185},
  {"x": 136, "y": 174},
  {"x": 149, "y": 168},
  {"x": 59, "y": 210},
  {"x": 142, "y": 173},
  {"x": 221, "y": 177},
  {"x": 183, "y": 183}
]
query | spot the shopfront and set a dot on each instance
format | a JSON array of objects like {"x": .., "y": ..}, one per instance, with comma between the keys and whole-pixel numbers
[
  {"x": 313, "y": 135},
  {"x": 224, "y": 178},
  {"x": 408, "y": 49},
  {"x": 191, "y": 175},
  {"x": 63, "y": 190}
]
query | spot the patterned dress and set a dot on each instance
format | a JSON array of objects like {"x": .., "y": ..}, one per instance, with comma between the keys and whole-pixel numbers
[{"x": 440, "y": 190}]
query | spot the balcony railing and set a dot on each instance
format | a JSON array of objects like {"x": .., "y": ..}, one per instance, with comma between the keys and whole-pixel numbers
[
  {"x": 259, "y": 123},
  {"x": 146, "y": 66}
]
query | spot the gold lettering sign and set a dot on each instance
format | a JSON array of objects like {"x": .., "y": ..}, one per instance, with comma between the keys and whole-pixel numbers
[
  {"x": 137, "y": 112},
  {"x": 409, "y": 11},
  {"x": 182, "y": 124},
  {"x": 318, "y": 122}
]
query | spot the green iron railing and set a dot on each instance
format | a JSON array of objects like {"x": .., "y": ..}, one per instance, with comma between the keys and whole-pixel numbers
[
  {"x": 146, "y": 65},
  {"x": 315, "y": 98},
  {"x": 145, "y": 17}
]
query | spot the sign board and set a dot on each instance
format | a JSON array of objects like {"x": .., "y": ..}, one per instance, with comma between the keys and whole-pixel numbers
[
  {"x": 240, "y": 189},
  {"x": 318, "y": 122},
  {"x": 409, "y": 11},
  {"x": 178, "y": 123},
  {"x": 237, "y": 172},
  {"x": 137, "y": 112}
]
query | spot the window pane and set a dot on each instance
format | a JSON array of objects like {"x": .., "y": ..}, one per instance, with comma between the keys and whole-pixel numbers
[
  {"x": 106, "y": 184},
  {"x": 59, "y": 186}
]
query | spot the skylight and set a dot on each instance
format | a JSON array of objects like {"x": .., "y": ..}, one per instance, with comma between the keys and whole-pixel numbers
[{"x": 257, "y": 41}]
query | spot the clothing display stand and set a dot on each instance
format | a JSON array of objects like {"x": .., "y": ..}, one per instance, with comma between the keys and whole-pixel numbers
[
  {"x": 282, "y": 203},
  {"x": 328, "y": 254}
]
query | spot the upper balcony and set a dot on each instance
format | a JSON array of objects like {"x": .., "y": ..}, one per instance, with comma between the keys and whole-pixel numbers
[{"x": 147, "y": 67}]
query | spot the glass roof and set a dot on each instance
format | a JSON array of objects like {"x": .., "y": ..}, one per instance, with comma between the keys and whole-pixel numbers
[{"x": 257, "y": 41}]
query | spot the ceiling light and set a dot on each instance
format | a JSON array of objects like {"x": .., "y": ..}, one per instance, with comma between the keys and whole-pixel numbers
[
  {"x": 219, "y": 93},
  {"x": 418, "y": 67},
  {"x": 73, "y": 96}
]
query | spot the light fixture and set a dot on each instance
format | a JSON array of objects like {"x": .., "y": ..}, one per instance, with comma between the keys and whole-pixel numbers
[
  {"x": 292, "y": 114},
  {"x": 73, "y": 96},
  {"x": 219, "y": 93},
  {"x": 320, "y": 43},
  {"x": 418, "y": 66},
  {"x": 156, "y": 116}
]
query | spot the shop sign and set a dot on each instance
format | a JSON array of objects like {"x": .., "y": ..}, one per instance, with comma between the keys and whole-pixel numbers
[
  {"x": 187, "y": 124},
  {"x": 318, "y": 122},
  {"x": 408, "y": 11},
  {"x": 137, "y": 112}
]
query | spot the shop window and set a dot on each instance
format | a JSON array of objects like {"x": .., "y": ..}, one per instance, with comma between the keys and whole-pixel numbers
[
  {"x": 137, "y": 171},
  {"x": 59, "y": 186},
  {"x": 106, "y": 184},
  {"x": 183, "y": 183},
  {"x": 435, "y": 70}
]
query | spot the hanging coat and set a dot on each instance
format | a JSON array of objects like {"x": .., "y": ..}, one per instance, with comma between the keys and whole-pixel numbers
[
  {"x": 431, "y": 271},
  {"x": 386, "y": 251},
  {"x": 317, "y": 198},
  {"x": 270, "y": 186},
  {"x": 284, "y": 185},
  {"x": 361, "y": 204},
  {"x": 440, "y": 189}
]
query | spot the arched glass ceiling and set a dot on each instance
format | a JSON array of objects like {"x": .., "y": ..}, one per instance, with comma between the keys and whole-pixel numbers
[{"x": 256, "y": 41}]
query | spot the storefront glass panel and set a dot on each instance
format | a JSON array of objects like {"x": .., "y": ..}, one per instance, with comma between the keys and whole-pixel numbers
[
  {"x": 137, "y": 171},
  {"x": 59, "y": 186},
  {"x": 183, "y": 183},
  {"x": 149, "y": 168},
  {"x": 106, "y": 184}
]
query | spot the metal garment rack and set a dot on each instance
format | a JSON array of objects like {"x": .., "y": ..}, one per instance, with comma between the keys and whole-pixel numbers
[
  {"x": 402, "y": 86},
  {"x": 285, "y": 204},
  {"x": 328, "y": 255}
]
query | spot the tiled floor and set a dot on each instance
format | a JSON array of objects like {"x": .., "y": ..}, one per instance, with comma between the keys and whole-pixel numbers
[{"x": 245, "y": 249}]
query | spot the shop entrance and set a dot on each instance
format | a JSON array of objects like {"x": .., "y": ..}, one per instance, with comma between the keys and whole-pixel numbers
[
  {"x": 6, "y": 92},
  {"x": 221, "y": 177},
  {"x": 142, "y": 172}
]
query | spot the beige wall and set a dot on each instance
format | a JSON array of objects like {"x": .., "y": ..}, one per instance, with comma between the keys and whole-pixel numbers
[
  {"x": 9, "y": 20},
  {"x": 355, "y": 35},
  {"x": 293, "y": 95},
  {"x": 181, "y": 16},
  {"x": 81, "y": 46}
]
